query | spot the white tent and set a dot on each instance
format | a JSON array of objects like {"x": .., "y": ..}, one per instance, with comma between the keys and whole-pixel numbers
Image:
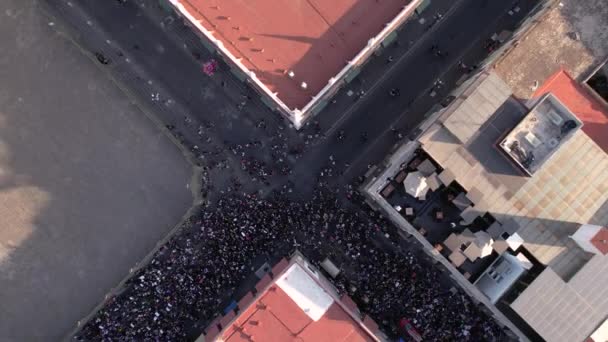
[
  {"x": 484, "y": 242},
  {"x": 480, "y": 247},
  {"x": 415, "y": 184}
]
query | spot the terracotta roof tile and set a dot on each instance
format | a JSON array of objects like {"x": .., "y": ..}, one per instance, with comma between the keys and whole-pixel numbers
[
  {"x": 275, "y": 317},
  {"x": 314, "y": 38},
  {"x": 287, "y": 310},
  {"x": 335, "y": 325},
  {"x": 600, "y": 240},
  {"x": 587, "y": 108}
]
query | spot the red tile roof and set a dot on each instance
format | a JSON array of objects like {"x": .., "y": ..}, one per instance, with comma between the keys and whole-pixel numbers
[
  {"x": 280, "y": 319},
  {"x": 600, "y": 240},
  {"x": 274, "y": 316},
  {"x": 587, "y": 108},
  {"x": 314, "y": 38}
]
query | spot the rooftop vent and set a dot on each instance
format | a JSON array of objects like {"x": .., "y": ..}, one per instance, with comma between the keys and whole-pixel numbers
[
  {"x": 555, "y": 118},
  {"x": 532, "y": 139}
]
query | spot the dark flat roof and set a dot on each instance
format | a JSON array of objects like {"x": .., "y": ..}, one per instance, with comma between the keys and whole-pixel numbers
[{"x": 314, "y": 38}]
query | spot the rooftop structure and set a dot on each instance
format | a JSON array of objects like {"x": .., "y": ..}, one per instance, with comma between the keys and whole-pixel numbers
[
  {"x": 501, "y": 275},
  {"x": 297, "y": 303},
  {"x": 539, "y": 134},
  {"x": 296, "y": 52},
  {"x": 567, "y": 190},
  {"x": 566, "y": 311},
  {"x": 481, "y": 188},
  {"x": 589, "y": 109}
]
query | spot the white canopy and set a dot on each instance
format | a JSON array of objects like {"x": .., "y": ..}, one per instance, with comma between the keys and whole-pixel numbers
[
  {"x": 305, "y": 292},
  {"x": 480, "y": 247},
  {"x": 415, "y": 184},
  {"x": 484, "y": 241}
]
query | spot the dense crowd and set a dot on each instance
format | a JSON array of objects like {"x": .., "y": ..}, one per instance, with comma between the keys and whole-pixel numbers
[{"x": 191, "y": 277}]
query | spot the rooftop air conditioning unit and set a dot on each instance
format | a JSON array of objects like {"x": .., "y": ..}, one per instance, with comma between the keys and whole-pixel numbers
[{"x": 532, "y": 139}]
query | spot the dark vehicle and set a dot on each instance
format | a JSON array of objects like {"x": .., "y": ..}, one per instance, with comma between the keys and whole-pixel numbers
[{"x": 102, "y": 58}]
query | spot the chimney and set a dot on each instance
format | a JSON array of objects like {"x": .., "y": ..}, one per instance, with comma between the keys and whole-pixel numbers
[{"x": 592, "y": 239}]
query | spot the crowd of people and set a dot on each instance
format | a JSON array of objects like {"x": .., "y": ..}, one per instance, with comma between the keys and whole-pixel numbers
[
  {"x": 189, "y": 278},
  {"x": 188, "y": 281}
]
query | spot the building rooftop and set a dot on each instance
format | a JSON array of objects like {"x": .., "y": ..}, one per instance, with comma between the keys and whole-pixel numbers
[
  {"x": 314, "y": 39},
  {"x": 588, "y": 109},
  {"x": 572, "y": 36},
  {"x": 566, "y": 311},
  {"x": 296, "y": 305},
  {"x": 500, "y": 276},
  {"x": 547, "y": 207},
  {"x": 477, "y": 107},
  {"x": 540, "y": 134}
]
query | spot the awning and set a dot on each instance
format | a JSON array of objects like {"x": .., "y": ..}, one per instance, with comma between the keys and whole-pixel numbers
[
  {"x": 415, "y": 184},
  {"x": 484, "y": 241},
  {"x": 352, "y": 74},
  {"x": 330, "y": 268},
  {"x": 480, "y": 247},
  {"x": 389, "y": 39},
  {"x": 423, "y": 5}
]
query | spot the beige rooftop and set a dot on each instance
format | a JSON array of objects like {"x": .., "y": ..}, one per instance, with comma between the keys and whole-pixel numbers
[
  {"x": 569, "y": 189},
  {"x": 571, "y": 311},
  {"x": 548, "y": 207}
]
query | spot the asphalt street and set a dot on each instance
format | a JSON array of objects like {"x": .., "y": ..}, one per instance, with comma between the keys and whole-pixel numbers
[
  {"x": 138, "y": 36},
  {"x": 158, "y": 60},
  {"x": 461, "y": 35}
]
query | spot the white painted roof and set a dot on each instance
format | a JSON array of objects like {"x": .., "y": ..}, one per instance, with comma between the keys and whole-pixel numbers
[
  {"x": 305, "y": 292},
  {"x": 601, "y": 333}
]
